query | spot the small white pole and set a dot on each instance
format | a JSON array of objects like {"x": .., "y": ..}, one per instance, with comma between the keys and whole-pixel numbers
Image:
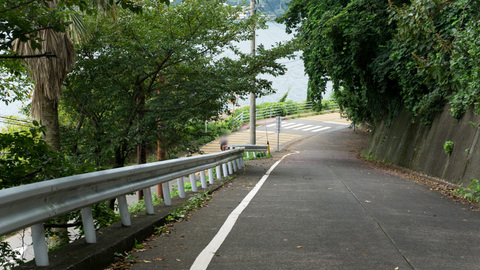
[
  {"x": 193, "y": 181},
  {"x": 88, "y": 226},
  {"x": 166, "y": 194},
  {"x": 147, "y": 198},
  {"x": 239, "y": 166},
  {"x": 203, "y": 179},
  {"x": 254, "y": 154},
  {"x": 40, "y": 245},
  {"x": 234, "y": 163},
  {"x": 230, "y": 169},
  {"x": 181, "y": 187},
  {"x": 123, "y": 208},
  {"x": 225, "y": 171},
  {"x": 248, "y": 155},
  {"x": 211, "y": 180},
  {"x": 219, "y": 172}
]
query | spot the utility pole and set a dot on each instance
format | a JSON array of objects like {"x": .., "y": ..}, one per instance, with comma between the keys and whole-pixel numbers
[{"x": 252, "y": 95}]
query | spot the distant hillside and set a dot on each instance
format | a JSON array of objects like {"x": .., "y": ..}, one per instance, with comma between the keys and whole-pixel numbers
[{"x": 274, "y": 8}]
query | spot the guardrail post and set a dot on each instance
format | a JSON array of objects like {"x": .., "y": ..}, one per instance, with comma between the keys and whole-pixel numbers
[
  {"x": 219, "y": 172},
  {"x": 181, "y": 187},
  {"x": 203, "y": 179},
  {"x": 193, "y": 181},
  {"x": 239, "y": 166},
  {"x": 123, "y": 208},
  {"x": 88, "y": 226},
  {"x": 230, "y": 169},
  {"x": 248, "y": 154},
  {"x": 254, "y": 154},
  {"x": 234, "y": 165},
  {"x": 39, "y": 245},
  {"x": 166, "y": 194},
  {"x": 225, "y": 171},
  {"x": 242, "y": 162},
  {"x": 147, "y": 198},
  {"x": 210, "y": 176}
]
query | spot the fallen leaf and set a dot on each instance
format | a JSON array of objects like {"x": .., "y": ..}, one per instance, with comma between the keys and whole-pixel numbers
[
  {"x": 158, "y": 259},
  {"x": 145, "y": 261},
  {"x": 299, "y": 246},
  {"x": 178, "y": 260}
]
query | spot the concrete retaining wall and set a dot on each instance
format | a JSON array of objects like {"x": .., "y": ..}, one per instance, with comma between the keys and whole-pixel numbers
[{"x": 412, "y": 145}]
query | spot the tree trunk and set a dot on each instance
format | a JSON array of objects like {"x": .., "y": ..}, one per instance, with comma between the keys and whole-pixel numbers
[
  {"x": 49, "y": 119},
  {"x": 141, "y": 159},
  {"x": 160, "y": 156}
]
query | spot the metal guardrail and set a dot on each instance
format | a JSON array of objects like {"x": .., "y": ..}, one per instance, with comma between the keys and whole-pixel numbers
[
  {"x": 32, "y": 204},
  {"x": 250, "y": 148},
  {"x": 279, "y": 110}
]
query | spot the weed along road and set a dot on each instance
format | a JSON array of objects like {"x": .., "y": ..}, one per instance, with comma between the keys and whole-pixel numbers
[{"x": 317, "y": 206}]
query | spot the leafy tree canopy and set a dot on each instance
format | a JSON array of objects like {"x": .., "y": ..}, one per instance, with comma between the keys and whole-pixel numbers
[
  {"x": 385, "y": 56},
  {"x": 145, "y": 76}
]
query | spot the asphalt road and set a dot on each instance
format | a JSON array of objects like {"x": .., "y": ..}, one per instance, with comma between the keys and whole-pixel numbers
[{"x": 322, "y": 208}]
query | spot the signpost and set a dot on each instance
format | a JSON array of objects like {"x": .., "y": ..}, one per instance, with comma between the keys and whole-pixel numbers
[{"x": 279, "y": 124}]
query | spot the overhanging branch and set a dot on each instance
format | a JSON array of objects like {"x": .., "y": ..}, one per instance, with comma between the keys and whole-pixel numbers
[{"x": 47, "y": 54}]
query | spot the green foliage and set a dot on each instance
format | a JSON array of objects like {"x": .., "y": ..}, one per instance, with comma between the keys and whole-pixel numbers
[
  {"x": 156, "y": 76},
  {"x": 139, "y": 206},
  {"x": 448, "y": 147},
  {"x": 385, "y": 56},
  {"x": 369, "y": 157},
  {"x": 472, "y": 194},
  {"x": 9, "y": 258},
  {"x": 26, "y": 158},
  {"x": 284, "y": 97},
  {"x": 193, "y": 203},
  {"x": 345, "y": 42},
  {"x": 271, "y": 109},
  {"x": 259, "y": 155},
  {"x": 268, "y": 7}
]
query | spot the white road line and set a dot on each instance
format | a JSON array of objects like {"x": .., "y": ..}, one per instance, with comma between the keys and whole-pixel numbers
[
  {"x": 337, "y": 123},
  {"x": 317, "y": 130},
  {"x": 205, "y": 257},
  {"x": 287, "y": 124},
  {"x": 314, "y": 127},
  {"x": 296, "y": 125},
  {"x": 271, "y": 125},
  {"x": 302, "y": 127}
]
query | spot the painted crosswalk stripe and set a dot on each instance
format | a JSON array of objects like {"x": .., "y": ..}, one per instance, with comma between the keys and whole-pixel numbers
[
  {"x": 287, "y": 124},
  {"x": 314, "y": 127},
  {"x": 320, "y": 129},
  {"x": 302, "y": 128},
  {"x": 296, "y": 125},
  {"x": 271, "y": 125},
  {"x": 337, "y": 123}
]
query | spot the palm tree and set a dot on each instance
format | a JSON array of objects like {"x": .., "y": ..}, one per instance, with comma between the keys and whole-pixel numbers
[{"x": 48, "y": 75}]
